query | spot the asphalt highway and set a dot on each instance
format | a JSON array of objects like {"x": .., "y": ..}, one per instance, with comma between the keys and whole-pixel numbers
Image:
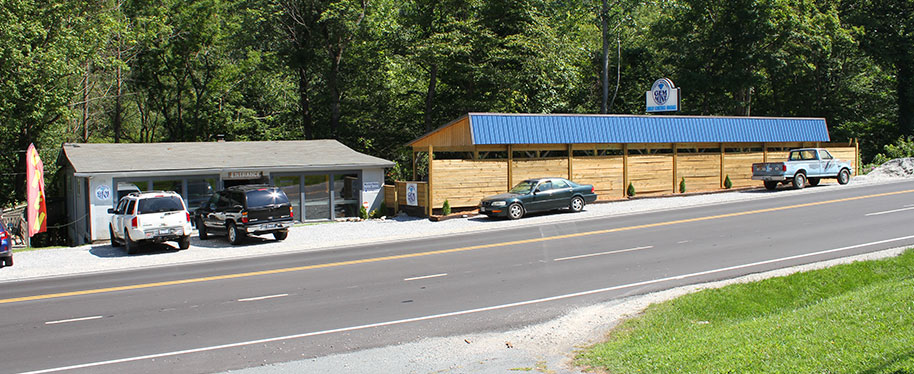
[{"x": 224, "y": 315}]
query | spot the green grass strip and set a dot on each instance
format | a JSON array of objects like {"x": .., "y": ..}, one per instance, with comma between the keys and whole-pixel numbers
[{"x": 853, "y": 318}]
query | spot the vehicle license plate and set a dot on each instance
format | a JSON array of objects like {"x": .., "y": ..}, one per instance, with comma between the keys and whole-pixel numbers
[
  {"x": 163, "y": 232},
  {"x": 482, "y": 209}
]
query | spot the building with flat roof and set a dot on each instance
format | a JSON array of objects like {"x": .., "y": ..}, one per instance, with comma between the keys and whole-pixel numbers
[{"x": 324, "y": 179}]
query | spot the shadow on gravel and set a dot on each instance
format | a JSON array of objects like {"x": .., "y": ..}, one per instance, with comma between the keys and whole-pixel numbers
[
  {"x": 107, "y": 251},
  {"x": 222, "y": 242},
  {"x": 485, "y": 218}
]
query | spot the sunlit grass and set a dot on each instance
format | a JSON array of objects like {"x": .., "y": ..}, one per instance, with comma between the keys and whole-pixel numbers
[{"x": 854, "y": 318}]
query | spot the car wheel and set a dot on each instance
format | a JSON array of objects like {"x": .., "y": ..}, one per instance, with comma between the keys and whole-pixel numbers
[
  {"x": 771, "y": 185},
  {"x": 114, "y": 242},
  {"x": 844, "y": 176},
  {"x": 281, "y": 235},
  {"x": 184, "y": 242},
  {"x": 201, "y": 229},
  {"x": 515, "y": 211},
  {"x": 234, "y": 235},
  {"x": 129, "y": 244},
  {"x": 577, "y": 204},
  {"x": 813, "y": 181},
  {"x": 799, "y": 180}
]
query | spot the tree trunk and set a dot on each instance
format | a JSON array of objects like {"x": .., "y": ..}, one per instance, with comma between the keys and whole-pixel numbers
[
  {"x": 85, "y": 111},
  {"x": 605, "y": 63},
  {"x": 905, "y": 95},
  {"x": 119, "y": 84},
  {"x": 430, "y": 96},
  {"x": 304, "y": 103},
  {"x": 333, "y": 85}
]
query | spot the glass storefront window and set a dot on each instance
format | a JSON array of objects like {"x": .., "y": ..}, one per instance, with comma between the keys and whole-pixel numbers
[
  {"x": 317, "y": 197},
  {"x": 291, "y": 185},
  {"x": 346, "y": 195},
  {"x": 198, "y": 192}
]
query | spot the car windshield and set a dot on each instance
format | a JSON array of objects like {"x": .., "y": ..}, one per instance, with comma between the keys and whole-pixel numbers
[
  {"x": 160, "y": 204},
  {"x": 523, "y": 187},
  {"x": 265, "y": 197}
]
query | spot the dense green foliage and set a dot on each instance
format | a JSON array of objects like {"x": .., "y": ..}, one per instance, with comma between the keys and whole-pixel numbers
[
  {"x": 853, "y": 318},
  {"x": 378, "y": 73}
]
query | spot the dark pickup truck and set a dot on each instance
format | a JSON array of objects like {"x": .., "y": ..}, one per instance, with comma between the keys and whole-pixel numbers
[{"x": 239, "y": 211}]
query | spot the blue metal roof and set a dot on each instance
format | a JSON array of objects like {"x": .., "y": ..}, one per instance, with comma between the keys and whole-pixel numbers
[{"x": 496, "y": 128}]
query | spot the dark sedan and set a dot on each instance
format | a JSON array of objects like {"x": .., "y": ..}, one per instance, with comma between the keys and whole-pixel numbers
[{"x": 534, "y": 195}]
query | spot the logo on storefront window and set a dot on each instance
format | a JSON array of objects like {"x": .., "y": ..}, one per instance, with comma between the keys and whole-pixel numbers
[
  {"x": 103, "y": 192},
  {"x": 412, "y": 194}
]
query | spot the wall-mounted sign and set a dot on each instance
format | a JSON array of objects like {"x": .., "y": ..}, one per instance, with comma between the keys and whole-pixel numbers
[
  {"x": 103, "y": 192},
  {"x": 371, "y": 186},
  {"x": 663, "y": 96},
  {"x": 412, "y": 194},
  {"x": 237, "y": 175}
]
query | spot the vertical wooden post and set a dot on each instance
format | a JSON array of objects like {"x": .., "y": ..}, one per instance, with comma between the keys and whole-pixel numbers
[
  {"x": 431, "y": 200},
  {"x": 764, "y": 152},
  {"x": 625, "y": 170},
  {"x": 475, "y": 153},
  {"x": 722, "y": 151},
  {"x": 675, "y": 167},
  {"x": 570, "y": 162},
  {"x": 857, "y": 168},
  {"x": 414, "y": 164},
  {"x": 510, "y": 167}
]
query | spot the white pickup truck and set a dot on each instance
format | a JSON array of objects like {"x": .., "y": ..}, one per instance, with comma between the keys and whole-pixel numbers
[{"x": 802, "y": 166}]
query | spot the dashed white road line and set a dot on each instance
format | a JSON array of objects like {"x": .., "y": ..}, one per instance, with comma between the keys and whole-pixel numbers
[
  {"x": 73, "y": 320},
  {"x": 264, "y": 297},
  {"x": 426, "y": 277},
  {"x": 909, "y": 207},
  {"x": 603, "y": 253}
]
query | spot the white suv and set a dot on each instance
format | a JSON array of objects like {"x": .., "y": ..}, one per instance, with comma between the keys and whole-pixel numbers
[{"x": 156, "y": 216}]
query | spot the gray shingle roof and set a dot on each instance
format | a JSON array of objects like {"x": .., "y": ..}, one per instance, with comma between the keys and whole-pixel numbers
[{"x": 88, "y": 158}]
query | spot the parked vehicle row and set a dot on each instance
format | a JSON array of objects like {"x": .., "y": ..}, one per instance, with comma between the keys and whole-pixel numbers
[
  {"x": 240, "y": 211},
  {"x": 162, "y": 216}
]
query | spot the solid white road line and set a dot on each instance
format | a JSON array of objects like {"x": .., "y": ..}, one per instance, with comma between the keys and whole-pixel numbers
[
  {"x": 426, "y": 277},
  {"x": 602, "y": 253},
  {"x": 264, "y": 297},
  {"x": 889, "y": 211},
  {"x": 458, "y": 313},
  {"x": 73, "y": 320}
]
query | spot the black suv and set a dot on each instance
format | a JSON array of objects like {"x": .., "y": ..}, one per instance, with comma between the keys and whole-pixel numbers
[{"x": 239, "y": 211}]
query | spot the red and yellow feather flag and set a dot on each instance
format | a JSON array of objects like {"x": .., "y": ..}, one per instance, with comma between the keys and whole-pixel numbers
[{"x": 36, "y": 210}]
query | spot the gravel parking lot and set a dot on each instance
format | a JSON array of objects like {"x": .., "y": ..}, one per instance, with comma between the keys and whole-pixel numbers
[{"x": 541, "y": 348}]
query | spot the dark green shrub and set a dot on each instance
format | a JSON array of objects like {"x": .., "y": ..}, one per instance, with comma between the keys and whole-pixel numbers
[
  {"x": 446, "y": 208},
  {"x": 363, "y": 213},
  {"x": 631, "y": 190},
  {"x": 682, "y": 188},
  {"x": 727, "y": 182}
]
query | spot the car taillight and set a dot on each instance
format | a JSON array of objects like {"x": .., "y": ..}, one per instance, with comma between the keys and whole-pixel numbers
[
  {"x": 591, "y": 189},
  {"x": 291, "y": 213},
  {"x": 135, "y": 221},
  {"x": 244, "y": 217},
  {"x": 4, "y": 235},
  {"x": 783, "y": 167},
  {"x": 188, "y": 216}
]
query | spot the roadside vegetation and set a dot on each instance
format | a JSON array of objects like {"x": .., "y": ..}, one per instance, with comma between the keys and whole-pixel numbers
[{"x": 853, "y": 318}]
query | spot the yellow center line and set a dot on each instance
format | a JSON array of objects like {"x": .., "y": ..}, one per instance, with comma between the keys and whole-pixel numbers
[{"x": 430, "y": 253}]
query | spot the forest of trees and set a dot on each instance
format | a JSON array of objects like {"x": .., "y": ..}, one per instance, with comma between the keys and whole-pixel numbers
[{"x": 375, "y": 74}]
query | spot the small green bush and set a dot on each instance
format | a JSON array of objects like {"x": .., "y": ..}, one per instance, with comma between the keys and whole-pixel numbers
[
  {"x": 382, "y": 211},
  {"x": 631, "y": 190},
  {"x": 446, "y": 208},
  {"x": 363, "y": 213},
  {"x": 682, "y": 188},
  {"x": 727, "y": 182}
]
